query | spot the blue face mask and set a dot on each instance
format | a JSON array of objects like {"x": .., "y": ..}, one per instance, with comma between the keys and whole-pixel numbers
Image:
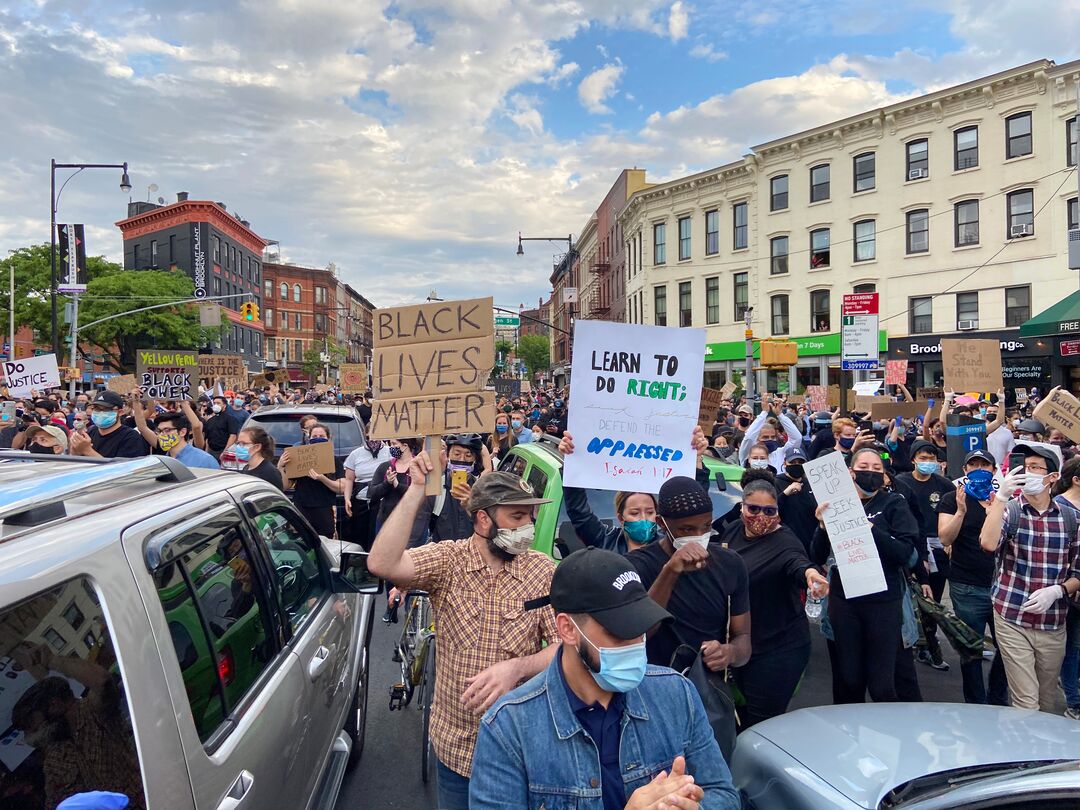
[
  {"x": 979, "y": 484},
  {"x": 501, "y": 428},
  {"x": 846, "y": 442},
  {"x": 516, "y": 424},
  {"x": 104, "y": 419},
  {"x": 640, "y": 531},
  {"x": 771, "y": 445},
  {"x": 318, "y": 440},
  {"x": 621, "y": 668},
  {"x": 927, "y": 467},
  {"x": 536, "y": 413},
  {"x": 242, "y": 452}
]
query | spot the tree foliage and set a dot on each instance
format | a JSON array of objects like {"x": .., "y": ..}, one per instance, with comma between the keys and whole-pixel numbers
[
  {"x": 535, "y": 351},
  {"x": 312, "y": 362}
]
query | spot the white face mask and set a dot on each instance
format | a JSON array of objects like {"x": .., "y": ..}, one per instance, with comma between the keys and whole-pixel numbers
[
  {"x": 216, "y": 408},
  {"x": 701, "y": 539},
  {"x": 1033, "y": 483},
  {"x": 759, "y": 463},
  {"x": 515, "y": 541}
]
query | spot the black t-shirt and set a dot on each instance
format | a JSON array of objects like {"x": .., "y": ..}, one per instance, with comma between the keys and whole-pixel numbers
[
  {"x": 969, "y": 564},
  {"x": 217, "y": 430},
  {"x": 776, "y": 565},
  {"x": 698, "y": 600},
  {"x": 928, "y": 495},
  {"x": 267, "y": 471},
  {"x": 797, "y": 509},
  {"x": 124, "y": 442},
  {"x": 313, "y": 494},
  {"x": 7, "y": 436}
]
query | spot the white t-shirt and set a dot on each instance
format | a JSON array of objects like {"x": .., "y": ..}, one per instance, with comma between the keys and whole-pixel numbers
[
  {"x": 363, "y": 465},
  {"x": 1000, "y": 444}
]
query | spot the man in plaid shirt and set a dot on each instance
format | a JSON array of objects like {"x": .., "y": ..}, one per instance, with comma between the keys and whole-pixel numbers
[{"x": 1036, "y": 573}]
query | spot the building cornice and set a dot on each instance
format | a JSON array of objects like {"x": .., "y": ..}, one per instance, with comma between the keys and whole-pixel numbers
[{"x": 190, "y": 211}]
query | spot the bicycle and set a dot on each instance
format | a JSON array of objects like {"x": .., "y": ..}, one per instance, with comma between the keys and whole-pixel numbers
[{"x": 415, "y": 651}]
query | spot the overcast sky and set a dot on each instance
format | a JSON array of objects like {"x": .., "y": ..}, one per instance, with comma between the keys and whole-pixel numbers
[{"x": 408, "y": 142}]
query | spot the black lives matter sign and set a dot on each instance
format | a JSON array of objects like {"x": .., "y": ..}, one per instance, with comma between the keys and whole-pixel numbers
[{"x": 167, "y": 374}]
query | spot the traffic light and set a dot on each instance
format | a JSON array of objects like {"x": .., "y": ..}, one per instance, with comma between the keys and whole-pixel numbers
[{"x": 249, "y": 311}]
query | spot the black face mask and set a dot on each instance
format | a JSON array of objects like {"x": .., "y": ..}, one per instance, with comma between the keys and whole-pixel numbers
[
  {"x": 869, "y": 481},
  {"x": 795, "y": 472},
  {"x": 38, "y": 448},
  {"x": 744, "y": 421}
]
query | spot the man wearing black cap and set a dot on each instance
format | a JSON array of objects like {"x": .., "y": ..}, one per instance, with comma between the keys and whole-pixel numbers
[
  {"x": 488, "y": 643},
  {"x": 797, "y": 503},
  {"x": 695, "y": 580},
  {"x": 960, "y": 518},
  {"x": 109, "y": 438},
  {"x": 600, "y": 728}
]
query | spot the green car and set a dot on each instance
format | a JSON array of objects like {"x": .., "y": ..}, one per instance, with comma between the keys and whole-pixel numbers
[{"x": 732, "y": 473}]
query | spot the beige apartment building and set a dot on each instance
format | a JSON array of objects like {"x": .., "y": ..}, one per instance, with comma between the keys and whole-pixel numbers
[{"x": 955, "y": 207}]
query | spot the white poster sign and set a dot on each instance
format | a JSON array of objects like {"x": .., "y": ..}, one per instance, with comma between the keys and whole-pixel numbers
[
  {"x": 635, "y": 405},
  {"x": 867, "y": 388},
  {"x": 31, "y": 374},
  {"x": 847, "y": 526}
]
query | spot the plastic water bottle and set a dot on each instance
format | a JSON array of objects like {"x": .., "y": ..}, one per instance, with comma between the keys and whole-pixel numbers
[{"x": 813, "y": 606}]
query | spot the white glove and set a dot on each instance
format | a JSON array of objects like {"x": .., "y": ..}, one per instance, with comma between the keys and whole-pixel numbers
[
  {"x": 1043, "y": 599},
  {"x": 1010, "y": 483}
]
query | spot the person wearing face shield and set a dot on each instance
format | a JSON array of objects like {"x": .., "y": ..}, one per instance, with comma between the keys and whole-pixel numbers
[
  {"x": 645, "y": 740},
  {"x": 695, "y": 580},
  {"x": 1036, "y": 541},
  {"x": 488, "y": 642}
]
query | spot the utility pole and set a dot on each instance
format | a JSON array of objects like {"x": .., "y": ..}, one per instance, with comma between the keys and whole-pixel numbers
[
  {"x": 11, "y": 313},
  {"x": 748, "y": 382},
  {"x": 74, "y": 344}
]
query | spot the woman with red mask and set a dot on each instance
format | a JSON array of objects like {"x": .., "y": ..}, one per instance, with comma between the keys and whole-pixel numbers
[{"x": 779, "y": 633}]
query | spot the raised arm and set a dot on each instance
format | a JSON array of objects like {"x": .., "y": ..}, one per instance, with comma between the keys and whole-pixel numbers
[{"x": 388, "y": 558}]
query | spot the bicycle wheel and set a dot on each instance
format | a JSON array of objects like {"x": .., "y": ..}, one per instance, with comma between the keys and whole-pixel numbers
[{"x": 426, "y": 752}]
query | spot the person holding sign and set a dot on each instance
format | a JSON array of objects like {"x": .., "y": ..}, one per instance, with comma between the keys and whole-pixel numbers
[
  {"x": 866, "y": 628},
  {"x": 316, "y": 494},
  {"x": 760, "y": 432}
]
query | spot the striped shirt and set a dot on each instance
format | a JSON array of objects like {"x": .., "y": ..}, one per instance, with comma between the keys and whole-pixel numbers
[{"x": 1041, "y": 554}]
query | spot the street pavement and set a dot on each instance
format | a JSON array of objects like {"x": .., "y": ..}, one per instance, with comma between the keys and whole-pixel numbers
[{"x": 388, "y": 775}]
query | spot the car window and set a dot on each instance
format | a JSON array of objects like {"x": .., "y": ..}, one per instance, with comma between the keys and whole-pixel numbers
[
  {"x": 285, "y": 430},
  {"x": 301, "y": 581},
  {"x": 216, "y": 611},
  {"x": 65, "y": 724},
  {"x": 513, "y": 463},
  {"x": 538, "y": 479}
]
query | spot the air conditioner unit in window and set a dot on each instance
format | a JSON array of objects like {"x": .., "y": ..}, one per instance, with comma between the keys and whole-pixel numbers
[
  {"x": 915, "y": 174},
  {"x": 967, "y": 326},
  {"x": 1020, "y": 230}
]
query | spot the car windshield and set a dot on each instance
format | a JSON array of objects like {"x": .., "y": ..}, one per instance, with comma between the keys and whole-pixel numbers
[
  {"x": 937, "y": 784},
  {"x": 285, "y": 430}
]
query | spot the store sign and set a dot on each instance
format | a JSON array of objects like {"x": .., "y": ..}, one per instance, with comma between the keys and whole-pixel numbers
[
  {"x": 858, "y": 331},
  {"x": 1070, "y": 348},
  {"x": 824, "y": 345},
  {"x": 200, "y": 240},
  {"x": 1068, "y": 326},
  {"x": 1006, "y": 346}
]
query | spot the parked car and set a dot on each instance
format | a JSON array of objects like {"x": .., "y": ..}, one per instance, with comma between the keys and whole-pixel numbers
[
  {"x": 194, "y": 618},
  {"x": 282, "y": 422},
  {"x": 929, "y": 756},
  {"x": 731, "y": 473},
  {"x": 540, "y": 463}
]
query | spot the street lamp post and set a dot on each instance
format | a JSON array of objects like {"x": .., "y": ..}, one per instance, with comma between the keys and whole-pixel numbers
[
  {"x": 54, "y": 202},
  {"x": 570, "y": 254}
]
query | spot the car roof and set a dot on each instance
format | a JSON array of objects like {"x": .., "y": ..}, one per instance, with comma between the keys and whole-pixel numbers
[{"x": 313, "y": 408}]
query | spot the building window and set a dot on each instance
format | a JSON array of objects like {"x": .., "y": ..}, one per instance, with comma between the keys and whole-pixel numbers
[
  {"x": 284, "y": 291},
  {"x": 320, "y": 295},
  {"x": 1021, "y": 208},
  {"x": 863, "y": 289},
  {"x": 686, "y": 305},
  {"x": 739, "y": 230},
  {"x": 819, "y": 183},
  {"x": 918, "y": 231},
  {"x": 298, "y": 351},
  {"x": 684, "y": 238},
  {"x": 268, "y": 286},
  {"x": 153, "y": 253},
  {"x": 712, "y": 232},
  {"x": 1073, "y": 221},
  {"x": 659, "y": 232},
  {"x": 918, "y": 159},
  {"x": 865, "y": 177},
  {"x": 966, "y": 148},
  {"x": 1018, "y": 135},
  {"x": 1017, "y": 305},
  {"x": 217, "y": 250},
  {"x": 967, "y": 223},
  {"x": 320, "y": 322},
  {"x": 660, "y": 306},
  {"x": 780, "y": 315},
  {"x": 819, "y": 248},
  {"x": 778, "y": 255},
  {"x": 296, "y": 293},
  {"x": 1070, "y": 142},
  {"x": 217, "y": 285},
  {"x": 819, "y": 311},
  {"x": 778, "y": 193},
  {"x": 135, "y": 255},
  {"x": 741, "y": 294},
  {"x": 299, "y": 322},
  {"x": 865, "y": 240},
  {"x": 172, "y": 248},
  {"x": 922, "y": 315},
  {"x": 712, "y": 300},
  {"x": 967, "y": 310},
  {"x": 269, "y": 318}
]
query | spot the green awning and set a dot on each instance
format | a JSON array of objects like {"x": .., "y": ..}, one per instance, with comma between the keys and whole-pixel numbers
[{"x": 1061, "y": 319}]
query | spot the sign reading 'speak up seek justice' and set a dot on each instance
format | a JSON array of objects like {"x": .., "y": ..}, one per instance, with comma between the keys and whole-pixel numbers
[{"x": 429, "y": 368}]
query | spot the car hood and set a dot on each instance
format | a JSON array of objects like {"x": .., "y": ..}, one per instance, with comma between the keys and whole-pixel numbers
[{"x": 866, "y": 750}]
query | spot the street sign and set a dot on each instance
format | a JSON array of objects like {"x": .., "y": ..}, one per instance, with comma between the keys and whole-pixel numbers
[
  {"x": 859, "y": 332},
  {"x": 507, "y": 320}
]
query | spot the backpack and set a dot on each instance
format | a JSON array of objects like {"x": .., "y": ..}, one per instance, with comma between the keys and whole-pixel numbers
[{"x": 1012, "y": 526}]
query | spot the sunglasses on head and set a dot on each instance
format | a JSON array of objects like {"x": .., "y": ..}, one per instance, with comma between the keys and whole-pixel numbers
[{"x": 754, "y": 509}]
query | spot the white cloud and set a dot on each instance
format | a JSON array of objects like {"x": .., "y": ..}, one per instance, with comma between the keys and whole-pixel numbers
[
  {"x": 678, "y": 21},
  {"x": 707, "y": 52},
  {"x": 600, "y": 85}
]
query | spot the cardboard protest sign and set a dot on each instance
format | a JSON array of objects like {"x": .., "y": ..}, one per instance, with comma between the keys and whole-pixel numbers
[
  {"x": 971, "y": 365},
  {"x": 507, "y": 387},
  {"x": 710, "y": 404},
  {"x": 834, "y": 396},
  {"x": 305, "y": 457},
  {"x": 167, "y": 374},
  {"x": 727, "y": 389},
  {"x": 817, "y": 396},
  {"x": 321, "y": 388},
  {"x": 846, "y": 524},
  {"x": 526, "y": 387},
  {"x": 962, "y": 435},
  {"x": 1060, "y": 411},
  {"x": 895, "y": 372},
  {"x": 122, "y": 384},
  {"x": 429, "y": 369},
  {"x": 796, "y": 399},
  {"x": 886, "y": 409},
  {"x": 929, "y": 393},
  {"x": 31, "y": 374},
  {"x": 353, "y": 378},
  {"x": 227, "y": 367},
  {"x": 860, "y": 402},
  {"x": 1021, "y": 396},
  {"x": 636, "y": 401}
]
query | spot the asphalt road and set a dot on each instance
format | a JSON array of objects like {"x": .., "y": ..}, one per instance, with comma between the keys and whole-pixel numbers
[{"x": 388, "y": 775}]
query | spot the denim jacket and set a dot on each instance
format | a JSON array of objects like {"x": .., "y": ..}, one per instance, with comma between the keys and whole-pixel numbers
[{"x": 532, "y": 751}]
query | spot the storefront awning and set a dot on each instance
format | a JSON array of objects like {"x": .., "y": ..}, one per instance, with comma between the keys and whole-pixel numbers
[{"x": 1062, "y": 318}]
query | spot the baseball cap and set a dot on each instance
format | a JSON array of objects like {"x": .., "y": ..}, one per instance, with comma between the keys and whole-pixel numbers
[
  {"x": 1049, "y": 452},
  {"x": 108, "y": 399},
  {"x": 57, "y": 433},
  {"x": 502, "y": 489},
  {"x": 923, "y": 444},
  {"x": 823, "y": 418},
  {"x": 1031, "y": 426},
  {"x": 980, "y": 454},
  {"x": 794, "y": 454},
  {"x": 604, "y": 586},
  {"x": 683, "y": 497}
]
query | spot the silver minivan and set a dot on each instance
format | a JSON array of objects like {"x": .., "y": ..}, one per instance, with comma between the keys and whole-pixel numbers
[{"x": 179, "y": 636}]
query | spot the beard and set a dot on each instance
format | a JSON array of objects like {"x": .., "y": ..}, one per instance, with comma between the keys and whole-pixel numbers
[
  {"x": 583, "y": 654},
  {"x": 501, "y": 553},
  {"x": 46, "y": 734}
]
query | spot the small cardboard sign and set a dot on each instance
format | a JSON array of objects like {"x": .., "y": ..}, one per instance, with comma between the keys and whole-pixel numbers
[
  {"x": 320, "y": 388},
  {"x": 305, "y": 457},
  {"x": 885, "y": 409},
  {"x": 710, "y": 404},
  {"x": 727, "y": 389},
  {"x": 796, "y": 399},
  {"x": 1021, "y": 396},
  {"x": 30, "y": 374},
  {"x": 860, "y": 402},
  {"x": 929, "y": 393},
  {"x": 834, "y": 396},
  {"x": 122, "y": 384},
  {"x": 227, "y": 367},
  {"x": 971, "y": 365},
  {"x": 353, "y": 378},
  {"x": 895, "y": 372},
  {"x": 167, "y": 374},
  {"x": 1060, "y": 411},
  {"x": 818, "y": 397}
]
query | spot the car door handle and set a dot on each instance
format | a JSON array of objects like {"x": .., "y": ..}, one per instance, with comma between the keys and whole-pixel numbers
[
  {"x": 318, "y": 662},
  {"x": 238, "y": 792}
]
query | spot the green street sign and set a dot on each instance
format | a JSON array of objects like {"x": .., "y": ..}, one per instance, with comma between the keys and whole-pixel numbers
[{"x": 507, "y": 320}]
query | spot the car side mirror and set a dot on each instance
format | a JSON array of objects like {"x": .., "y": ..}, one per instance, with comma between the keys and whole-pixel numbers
[
  {"x": 354, "y": 577},
  {"x": 721, "y": 481}
]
